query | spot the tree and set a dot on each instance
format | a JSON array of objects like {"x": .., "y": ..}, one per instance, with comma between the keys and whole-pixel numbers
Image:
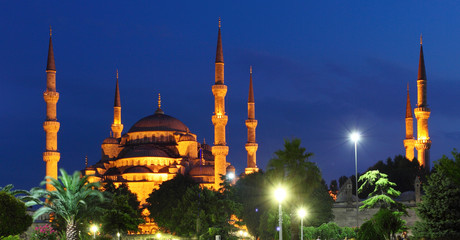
[
  {"x": 439, "y": 211},
  {"x": 250, "y": 191},
  {"x": 292, "y": 167},
  {"x": 121, "y": 211},
  {"x": 13, "y": 216},
  {"x": 68, "y": 200},
  {"x": 183, "y": 207},
  {"x": 162, "y": 200},
  {"x": 452, "y": 166},
  {"x": 383, "y": 192}
]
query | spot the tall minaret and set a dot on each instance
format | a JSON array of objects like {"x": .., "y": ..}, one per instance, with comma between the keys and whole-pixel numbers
[
  {"x": 219, "y": 119},
  {"x": 51, "y": 156},
  {"x": 117, "y": 127},
  {"x": 422, "y": 113},
  {"x": 409, "y": 141},
  {"x": 251, "y": 124}
]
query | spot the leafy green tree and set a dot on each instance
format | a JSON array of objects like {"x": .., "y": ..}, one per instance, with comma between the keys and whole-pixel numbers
[
  {"x": 368, "y": 231},
  {"x": 452, "y": 166},
  {"x": 439, "y": 211},
  {"x": 68, "y": 200},
  {"x": 250, "y": 191},
  {"x": 388, "y": 223},
  {"x": 383, "y": 192},
  {"x": 292, "y": 168},
  {"x": 13, "y": 216},
  {"x": 162, "y": 200},
  {"x": 182, "y": 207}
]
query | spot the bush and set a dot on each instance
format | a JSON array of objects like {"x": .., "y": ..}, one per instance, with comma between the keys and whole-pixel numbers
[
  {"x": 329, "y": 231},
  {"x": 45, "y": 232}
]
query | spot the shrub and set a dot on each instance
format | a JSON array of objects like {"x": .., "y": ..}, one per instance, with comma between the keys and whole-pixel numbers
[{"x": 45, "y": 232}]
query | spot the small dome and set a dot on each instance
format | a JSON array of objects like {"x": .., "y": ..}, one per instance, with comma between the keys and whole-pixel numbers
[
  {"x": 231, "y": 168},
  {"x": 138, "y": 169},
  {"x": 144, "y": 151},
  {"x": 204, "y": 170},
  {"x": 158, "y": 122},
  {"x": 110, "y": 140},
  {"x": 187, "y": 137}
]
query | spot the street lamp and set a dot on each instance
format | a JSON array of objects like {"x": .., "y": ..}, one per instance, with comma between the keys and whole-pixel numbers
[
  {"x": 355, "y": 137},
  {"x": 280, "y": 194},
  {"x": 302, "y": 214},
  {"x": 94, "y": 230},
  {"x": 118, "y": 235}
]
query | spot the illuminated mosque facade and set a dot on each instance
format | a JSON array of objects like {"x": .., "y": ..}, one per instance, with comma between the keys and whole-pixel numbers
[
  {"x": 157, "y": 147},
  {"x": 422, "y": 112}
]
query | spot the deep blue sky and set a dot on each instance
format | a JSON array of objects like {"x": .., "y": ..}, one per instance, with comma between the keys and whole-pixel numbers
[{"x": 321, "y": 69}]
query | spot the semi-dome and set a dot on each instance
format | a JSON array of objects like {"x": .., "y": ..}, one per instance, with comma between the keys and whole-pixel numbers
[{"x": 158, "y": 122}]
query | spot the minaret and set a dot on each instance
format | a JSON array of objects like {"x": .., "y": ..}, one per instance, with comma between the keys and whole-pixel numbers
[
  {"x": 409, "y": 141},
  {"x": 51, "y": 156},
  {"x": 219, "y": 119},
  {"x": 117, "y": 127},
  {"x": 422, "y": 113},
  {"x": 251, "y": 124}
]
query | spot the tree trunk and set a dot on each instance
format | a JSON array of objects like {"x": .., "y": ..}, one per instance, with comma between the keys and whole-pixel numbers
[{"x": 71, "y": 231}]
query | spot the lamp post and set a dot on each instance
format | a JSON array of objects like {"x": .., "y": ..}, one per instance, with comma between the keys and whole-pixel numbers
[
  {"x": 302, "y": 214},
  {"x": 94, "y": 230},
  {"x": 355, "y": 138},
  {"x": 280, "y": 194},
  {"x": 118, "y": 235}
]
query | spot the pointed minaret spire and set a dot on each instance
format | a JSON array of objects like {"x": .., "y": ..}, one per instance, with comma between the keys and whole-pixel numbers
[
  {"x": 421, "y": 63},
  {"x": 251, "y": 124},
  {"x": 219, "y": 52},
  {"x": 251, "y": 91},
  {"x": 117, "y": 102},
  {"x": 408, "y": 106},
  {"x": 117, "y": 127},
  {"x": 50, "y": 64}
]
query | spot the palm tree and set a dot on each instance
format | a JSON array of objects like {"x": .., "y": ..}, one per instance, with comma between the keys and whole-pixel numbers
[{"x": 68, "y": 200}]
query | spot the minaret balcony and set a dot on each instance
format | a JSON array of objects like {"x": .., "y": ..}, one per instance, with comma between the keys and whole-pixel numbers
[
  {"x": 251, "y": 148},
  {"x": 220, "y": 150},
  {"x": 51, "y": 126},
  {"x": 423, "y": 144},
  {"x": 219, "y": 90},
  {"x": 51, "y": 156},
  {"x": 251, "y": 123},
  {"x": 219, "y": 120},
  {"x": 51, "y": 97}
]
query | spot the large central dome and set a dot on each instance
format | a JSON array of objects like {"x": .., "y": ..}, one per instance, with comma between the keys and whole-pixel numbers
[{"x": 158, "y": 122}]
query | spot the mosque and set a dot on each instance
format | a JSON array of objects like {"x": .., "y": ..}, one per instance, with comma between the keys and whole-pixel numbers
[
  {"x": 157, "y": 147},
  {"x": 422, "y": 112}
]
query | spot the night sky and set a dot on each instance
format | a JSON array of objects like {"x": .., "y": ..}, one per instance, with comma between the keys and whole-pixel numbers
[{"x": 321, "y": 70}]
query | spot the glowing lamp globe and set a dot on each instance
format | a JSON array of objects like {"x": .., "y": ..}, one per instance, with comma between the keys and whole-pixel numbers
[
  {"x": 302, "y": 213},
  {"x": 355, "y": 137},
  {"x": 280, "y": 194}
]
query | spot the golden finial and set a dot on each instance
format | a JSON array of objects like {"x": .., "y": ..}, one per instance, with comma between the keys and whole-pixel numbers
[
  {"x": 117, "y": 73},
  {"x": 51, "y": 31},
  {"x": 421, "y": 39},
  {"x": 204, "y": 140},
  {"x": 250, "y": 69},
  {"x": 408, "y": 87},
  {"x": 159, "y": 101},
  {"x": 86, "y": 161},
  {"x": 220, "y": 24}
]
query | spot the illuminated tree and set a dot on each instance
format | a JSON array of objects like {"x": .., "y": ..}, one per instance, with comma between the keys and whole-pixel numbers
[
  {"x": 68, "y": 200},
  {"x": 13, "y": 216},
  {"x": 292, "y": 168},
  {"x": 439, "y": 211}
]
